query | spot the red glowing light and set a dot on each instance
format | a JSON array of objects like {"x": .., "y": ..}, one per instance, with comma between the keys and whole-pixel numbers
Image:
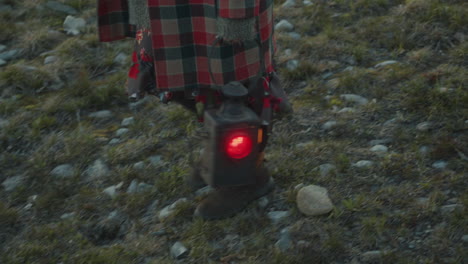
[{"x": 239, "y": 146}]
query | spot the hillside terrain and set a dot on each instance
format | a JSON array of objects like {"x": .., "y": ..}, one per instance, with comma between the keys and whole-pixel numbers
[{"x": 380, "y": 94}]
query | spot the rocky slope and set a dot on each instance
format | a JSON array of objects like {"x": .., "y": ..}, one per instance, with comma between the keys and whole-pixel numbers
[{"x": 381, "y": 118}]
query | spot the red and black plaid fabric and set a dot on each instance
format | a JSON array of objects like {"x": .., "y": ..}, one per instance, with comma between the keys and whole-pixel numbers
[
  {"x": 182, "y": 34},
  {"x": 113, "y": 20}
]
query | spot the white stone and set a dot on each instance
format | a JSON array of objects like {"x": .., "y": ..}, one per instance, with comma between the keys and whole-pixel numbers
[
  {"x": 2, "y": 62},
  {"x": 8, "y": 55},
  {"x": 112, "y": 190},
  {"x": 127, "y": 121},
  {"x": 346, "y": 110},
  {"x": 329, "y": 125},
  {"x": 57, "y": 6},
  {"x": 2, "y": 47},
  {"x": 178, "y": 250},
  {"x": 313, "y": 200},
  {"x": 284, "y": 243},
  {"x": 121, "y": 58},
  {"x": 74, "y": 26},
  {"x": 168, "y": 210},
  {"x": 385, "y": 63},
  {"x": 68, "y": 215},
  {"x": 440, "y": 164},
  {"x": 277, "y": 216},
  {"x": 380, "y": 141},
  {"x": 465, "y": 238},
  {"x": 103, "y": 114},
  {"x": 379, "y": 149},
  {"x": 299, "y": 186},
  {"x": 143, "y": 187},
  {"x": 114, "y": 141},
  {"x": 294, "y": 35},
  {"x": 204, "y": 191},
  {"x": 121, "y": 132},
  {"x": 63, "y": 171},
  {"x": 363, "y": 164},
  {"x": 326, "y": 169},
  {"x": 307, "y": 3},
  {"x": 11, "y": 183},
  {"x": 354, "y": 98},
  {"x": 292, "y": 65},
  {"x": 422, "y": 202},
  {"x": 289, "y": 3},
  {"x": 155, "y": 160},
  {"x": 50, "y": 59},
  {"x": 372, "y": 255},
  {"x": 288, "y": 52},
  {"x": 448, "y": 209},
  {"x": 424, "y": 126},
  {"x": 284, "y": 25},
  {"x": 97, "y": 170},
  {"x": 263, "y": 202},
  {"x": 133, "y": 187},
  {"x": 139, "y": 165},
  {"x": 4, "y": 123}
]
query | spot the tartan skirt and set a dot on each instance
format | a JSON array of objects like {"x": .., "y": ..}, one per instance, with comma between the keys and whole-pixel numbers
[{"x": 182, "y": 34}]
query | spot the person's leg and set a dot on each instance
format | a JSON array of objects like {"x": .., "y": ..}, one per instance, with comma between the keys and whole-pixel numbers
[{"x": 141, "y": 79}]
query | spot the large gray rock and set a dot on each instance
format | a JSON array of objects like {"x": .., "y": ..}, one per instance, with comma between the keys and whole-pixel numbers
[
  {"x": 59, "y": 7},
  {"x": 313, "y": 200},
  {"x": 74, "y": 26},
  {"x": 178, "y": 250},
  {"x": 12, "y": 183},
  {"x": 63, "y": 171}
]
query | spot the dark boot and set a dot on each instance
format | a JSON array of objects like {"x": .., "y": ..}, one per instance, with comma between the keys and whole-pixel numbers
[{"x": 227, "y": 201}]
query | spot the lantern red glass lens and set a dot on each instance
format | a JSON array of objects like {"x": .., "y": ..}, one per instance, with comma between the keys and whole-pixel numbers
[{"x": 239, "y": 146}]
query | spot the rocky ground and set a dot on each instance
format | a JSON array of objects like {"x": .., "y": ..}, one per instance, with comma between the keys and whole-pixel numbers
[{"x": 379, "y": 135}]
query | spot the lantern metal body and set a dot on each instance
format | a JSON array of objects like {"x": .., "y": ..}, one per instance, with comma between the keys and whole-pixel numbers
[{"x": 234, "y": 139}]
